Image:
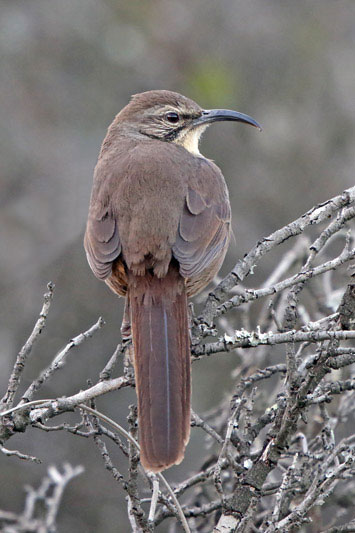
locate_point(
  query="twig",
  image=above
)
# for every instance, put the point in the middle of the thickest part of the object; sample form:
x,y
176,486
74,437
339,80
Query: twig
x,y
60,360
107,371
20,455
243,267
197,421
131,516
194,512
25,351
42,504
60,481
323,393
135,443
104,452
301,277
280,494
201,477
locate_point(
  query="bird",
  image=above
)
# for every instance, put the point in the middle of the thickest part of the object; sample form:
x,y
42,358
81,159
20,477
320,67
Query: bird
x,y
158,229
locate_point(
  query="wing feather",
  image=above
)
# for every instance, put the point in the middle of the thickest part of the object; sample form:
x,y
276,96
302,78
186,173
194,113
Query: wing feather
x,y
102,243
203,233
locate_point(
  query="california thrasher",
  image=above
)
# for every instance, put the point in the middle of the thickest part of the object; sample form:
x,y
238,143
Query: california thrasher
x,y
157,233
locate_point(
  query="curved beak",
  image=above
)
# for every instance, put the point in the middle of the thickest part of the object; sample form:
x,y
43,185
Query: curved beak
x,y
215,115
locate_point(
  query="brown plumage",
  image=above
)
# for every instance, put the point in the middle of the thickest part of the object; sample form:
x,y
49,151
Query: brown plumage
x,y
157,232
162,369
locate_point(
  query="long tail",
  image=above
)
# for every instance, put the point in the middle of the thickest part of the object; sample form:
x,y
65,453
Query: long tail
x,y
162,367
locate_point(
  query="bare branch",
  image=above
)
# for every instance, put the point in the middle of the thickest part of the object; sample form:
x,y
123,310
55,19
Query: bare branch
x,y
315,215
42,504
20,455
197,421
25,351
60,360
276,458
246,339
301,277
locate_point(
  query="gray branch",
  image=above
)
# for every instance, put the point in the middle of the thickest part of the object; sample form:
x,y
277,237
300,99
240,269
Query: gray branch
x,y
271,436
42,504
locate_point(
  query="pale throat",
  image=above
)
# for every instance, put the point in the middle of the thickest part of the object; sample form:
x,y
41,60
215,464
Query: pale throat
x,y
190,140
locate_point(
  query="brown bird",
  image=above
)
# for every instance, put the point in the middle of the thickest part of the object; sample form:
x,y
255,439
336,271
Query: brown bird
x,y
157,233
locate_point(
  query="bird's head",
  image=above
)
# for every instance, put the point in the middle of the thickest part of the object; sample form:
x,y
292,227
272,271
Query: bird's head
x,y
171,117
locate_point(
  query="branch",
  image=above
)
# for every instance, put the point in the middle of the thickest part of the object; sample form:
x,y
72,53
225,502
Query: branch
x,y
60,360
25,351
246,339
301,277
20,455
246,265
42,504
258,431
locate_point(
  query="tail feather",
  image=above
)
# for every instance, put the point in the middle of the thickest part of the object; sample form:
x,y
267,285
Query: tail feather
x,y
162,367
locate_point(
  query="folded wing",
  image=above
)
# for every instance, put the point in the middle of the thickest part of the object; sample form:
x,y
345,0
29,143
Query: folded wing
x,y
202,234
102,242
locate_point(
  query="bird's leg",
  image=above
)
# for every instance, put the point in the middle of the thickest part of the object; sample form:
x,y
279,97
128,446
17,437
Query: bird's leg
x,y
192,324
127,336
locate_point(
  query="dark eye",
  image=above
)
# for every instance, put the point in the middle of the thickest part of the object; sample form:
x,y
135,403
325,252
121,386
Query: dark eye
x,y
172,117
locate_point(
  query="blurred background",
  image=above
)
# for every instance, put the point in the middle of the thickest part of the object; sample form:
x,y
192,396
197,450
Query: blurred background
x,y
66,69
